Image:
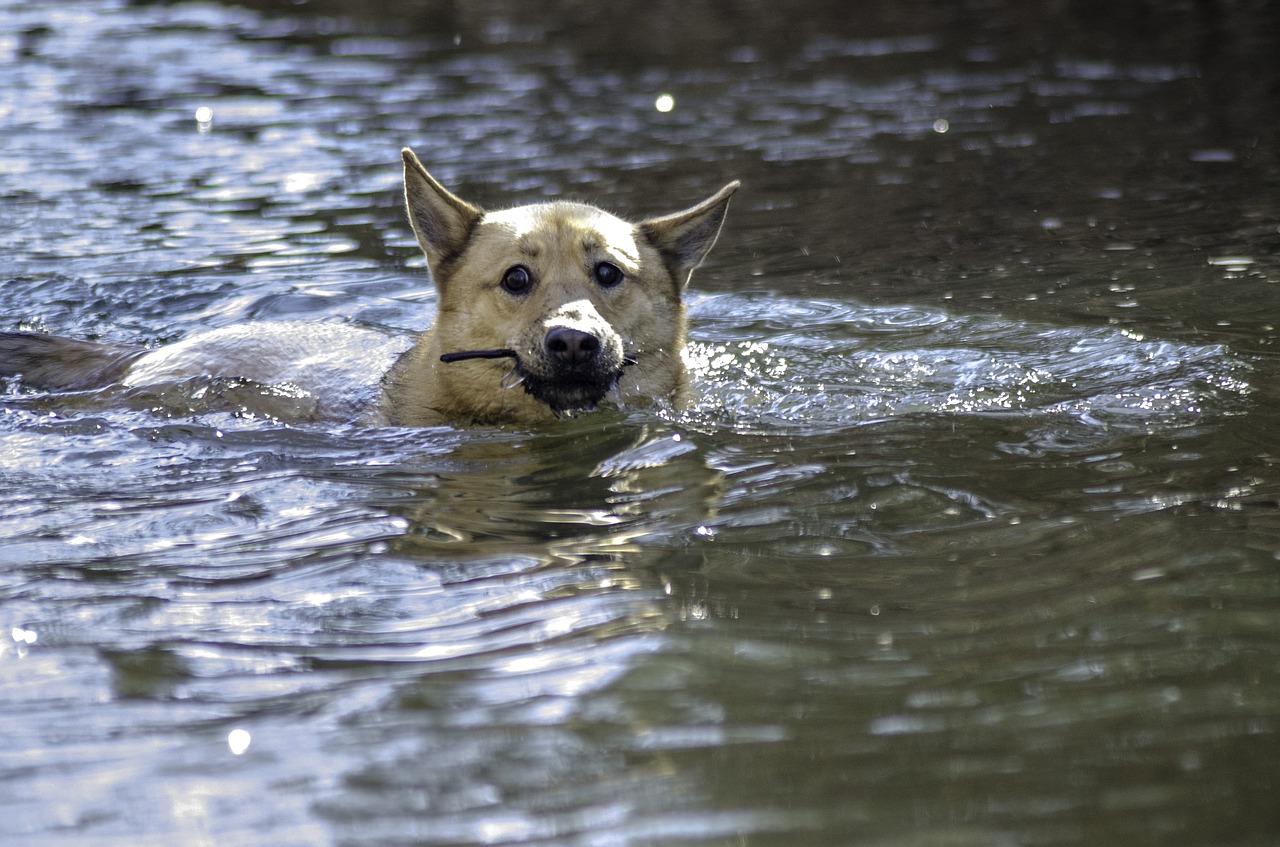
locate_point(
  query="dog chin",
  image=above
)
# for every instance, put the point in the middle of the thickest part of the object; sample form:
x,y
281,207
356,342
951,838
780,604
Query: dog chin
x,y
570,392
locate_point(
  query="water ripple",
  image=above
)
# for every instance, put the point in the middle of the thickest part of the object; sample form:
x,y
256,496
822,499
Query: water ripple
x,y
897,565
766,361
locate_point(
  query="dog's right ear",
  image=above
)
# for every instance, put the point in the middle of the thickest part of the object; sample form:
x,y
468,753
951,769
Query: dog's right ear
x,y
441,220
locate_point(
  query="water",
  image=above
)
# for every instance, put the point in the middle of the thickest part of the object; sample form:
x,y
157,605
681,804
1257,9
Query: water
x,y
970,538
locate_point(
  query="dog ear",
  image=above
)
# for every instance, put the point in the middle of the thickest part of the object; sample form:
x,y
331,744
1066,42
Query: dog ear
x,y
685,238
441,220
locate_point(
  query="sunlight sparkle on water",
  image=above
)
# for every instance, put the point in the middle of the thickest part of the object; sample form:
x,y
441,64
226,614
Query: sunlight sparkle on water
x,y
1233,265
512,829
300,181
238,740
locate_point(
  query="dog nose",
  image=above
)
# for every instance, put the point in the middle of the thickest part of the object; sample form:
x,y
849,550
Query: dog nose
x,y
571,346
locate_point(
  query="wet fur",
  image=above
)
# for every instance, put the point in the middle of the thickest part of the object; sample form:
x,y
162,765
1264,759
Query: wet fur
x,y
63,364
636,327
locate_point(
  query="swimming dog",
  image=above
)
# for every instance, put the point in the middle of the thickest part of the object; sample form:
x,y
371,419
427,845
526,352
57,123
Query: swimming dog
x,y
544,310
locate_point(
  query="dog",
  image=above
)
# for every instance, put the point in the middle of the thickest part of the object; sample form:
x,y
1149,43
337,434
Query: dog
x,y
544,311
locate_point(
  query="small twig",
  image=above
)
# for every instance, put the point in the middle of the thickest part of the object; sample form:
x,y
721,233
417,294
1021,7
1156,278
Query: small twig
x,y
461,355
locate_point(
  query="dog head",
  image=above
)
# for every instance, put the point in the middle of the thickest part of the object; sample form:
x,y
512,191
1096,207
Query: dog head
x,y
547,309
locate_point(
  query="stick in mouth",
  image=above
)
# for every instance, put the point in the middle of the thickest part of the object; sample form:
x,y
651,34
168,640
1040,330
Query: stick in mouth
x,y
502,353
462,355
564,392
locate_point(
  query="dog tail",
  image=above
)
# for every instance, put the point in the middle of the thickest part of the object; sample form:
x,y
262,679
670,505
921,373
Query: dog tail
x,y
54,363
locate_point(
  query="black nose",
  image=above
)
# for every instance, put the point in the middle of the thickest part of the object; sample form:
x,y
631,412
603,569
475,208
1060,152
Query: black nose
x,y
571,346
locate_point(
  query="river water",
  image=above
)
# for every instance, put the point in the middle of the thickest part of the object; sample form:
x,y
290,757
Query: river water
x,y
972,536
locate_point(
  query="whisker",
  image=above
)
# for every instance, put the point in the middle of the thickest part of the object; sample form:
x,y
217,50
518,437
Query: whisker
x,y
512,379
462,355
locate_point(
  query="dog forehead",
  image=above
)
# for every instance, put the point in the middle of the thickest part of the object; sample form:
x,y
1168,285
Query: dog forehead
x,y
564,227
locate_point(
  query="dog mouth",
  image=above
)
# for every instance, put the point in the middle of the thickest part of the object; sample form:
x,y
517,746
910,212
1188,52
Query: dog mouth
x,y
567,388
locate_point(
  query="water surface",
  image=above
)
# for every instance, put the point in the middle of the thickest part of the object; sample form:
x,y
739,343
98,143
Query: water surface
x,y
971,536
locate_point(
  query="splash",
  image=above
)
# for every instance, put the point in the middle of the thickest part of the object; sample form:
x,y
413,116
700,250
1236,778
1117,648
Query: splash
x,y
765,361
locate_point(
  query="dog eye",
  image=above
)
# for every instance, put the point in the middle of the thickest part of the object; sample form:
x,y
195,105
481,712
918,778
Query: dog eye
x,y
517,280
608,274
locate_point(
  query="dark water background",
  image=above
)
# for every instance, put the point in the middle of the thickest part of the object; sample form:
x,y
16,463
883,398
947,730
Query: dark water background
x,y
973,537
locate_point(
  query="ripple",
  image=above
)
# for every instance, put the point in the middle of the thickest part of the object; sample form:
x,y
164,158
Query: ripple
x,y
894,553
831,364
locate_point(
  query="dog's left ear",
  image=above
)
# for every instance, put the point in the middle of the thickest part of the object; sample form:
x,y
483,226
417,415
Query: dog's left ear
x,y
441,220
685,238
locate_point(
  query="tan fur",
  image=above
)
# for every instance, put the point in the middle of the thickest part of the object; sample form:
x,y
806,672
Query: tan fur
x,y
567,341
469,252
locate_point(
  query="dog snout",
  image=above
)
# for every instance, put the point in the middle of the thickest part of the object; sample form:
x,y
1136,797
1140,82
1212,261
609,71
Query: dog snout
x,y
570,346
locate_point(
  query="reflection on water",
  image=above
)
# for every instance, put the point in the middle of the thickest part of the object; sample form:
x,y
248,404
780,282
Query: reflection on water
x,y
969,538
